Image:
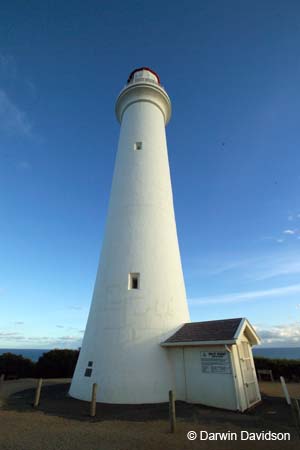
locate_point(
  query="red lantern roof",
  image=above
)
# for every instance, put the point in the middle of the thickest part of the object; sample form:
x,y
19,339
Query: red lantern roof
x,y
142,68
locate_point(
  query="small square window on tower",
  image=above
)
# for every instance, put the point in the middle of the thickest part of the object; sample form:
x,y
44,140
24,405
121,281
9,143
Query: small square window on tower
x,y
134,281
138,146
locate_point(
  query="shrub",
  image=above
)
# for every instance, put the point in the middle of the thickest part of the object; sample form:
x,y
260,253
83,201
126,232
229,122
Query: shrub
x,y
57,364
287,368
16,366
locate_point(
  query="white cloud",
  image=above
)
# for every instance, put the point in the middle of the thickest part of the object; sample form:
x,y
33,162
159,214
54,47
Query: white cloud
x,y
274,266
4,335
287,334
237,297
217,265
12,120
291,217
9,339
281,262
289,231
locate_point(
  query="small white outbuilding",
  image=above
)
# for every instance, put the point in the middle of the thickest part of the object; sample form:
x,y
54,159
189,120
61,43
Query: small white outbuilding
x,y
213,363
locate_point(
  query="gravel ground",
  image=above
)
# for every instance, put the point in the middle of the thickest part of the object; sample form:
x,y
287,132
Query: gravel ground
x,y
10,387
274,389
63,423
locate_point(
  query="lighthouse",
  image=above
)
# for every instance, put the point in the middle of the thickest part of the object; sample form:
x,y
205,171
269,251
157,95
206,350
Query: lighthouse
x,y
139,297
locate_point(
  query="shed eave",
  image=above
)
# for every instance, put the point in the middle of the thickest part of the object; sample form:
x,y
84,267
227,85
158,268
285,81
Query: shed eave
x,y
197,343
254,339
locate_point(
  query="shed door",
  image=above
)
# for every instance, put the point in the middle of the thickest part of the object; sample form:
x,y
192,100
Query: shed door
x,y
248,372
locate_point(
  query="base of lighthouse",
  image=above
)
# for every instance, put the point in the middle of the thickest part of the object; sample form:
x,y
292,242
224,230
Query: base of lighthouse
x,y
126,375
213,363
209,363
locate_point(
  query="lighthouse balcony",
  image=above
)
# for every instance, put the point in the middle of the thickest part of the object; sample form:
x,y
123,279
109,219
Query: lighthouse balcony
x,y
142,80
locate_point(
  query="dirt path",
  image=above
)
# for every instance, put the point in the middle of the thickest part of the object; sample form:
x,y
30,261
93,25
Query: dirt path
x,y
11,387
63,423
36,431
274,389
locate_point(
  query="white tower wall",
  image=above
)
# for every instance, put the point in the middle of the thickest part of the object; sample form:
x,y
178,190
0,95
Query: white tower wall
x,y
125,326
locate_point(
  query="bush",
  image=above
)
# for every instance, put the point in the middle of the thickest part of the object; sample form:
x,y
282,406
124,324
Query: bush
x,y
15,366
287,368
57,364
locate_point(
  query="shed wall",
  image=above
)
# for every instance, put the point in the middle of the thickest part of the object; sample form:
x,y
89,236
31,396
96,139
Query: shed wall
x,y
195,386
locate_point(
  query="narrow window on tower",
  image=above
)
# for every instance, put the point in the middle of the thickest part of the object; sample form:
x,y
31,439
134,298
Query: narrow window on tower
x,y
134,281
138,146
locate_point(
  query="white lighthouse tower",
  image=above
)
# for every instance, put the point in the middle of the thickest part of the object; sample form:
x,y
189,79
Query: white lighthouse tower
x,y
139,296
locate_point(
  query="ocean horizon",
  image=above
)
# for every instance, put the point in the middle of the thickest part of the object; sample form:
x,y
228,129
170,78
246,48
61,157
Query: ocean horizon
x,y
268,352
31,353
277,352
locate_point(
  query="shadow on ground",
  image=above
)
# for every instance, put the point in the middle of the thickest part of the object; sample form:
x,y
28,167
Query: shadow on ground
x,y
273,413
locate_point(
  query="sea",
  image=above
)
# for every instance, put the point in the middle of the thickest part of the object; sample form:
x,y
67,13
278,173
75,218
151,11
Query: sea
x,y
30,353
267,352
277,353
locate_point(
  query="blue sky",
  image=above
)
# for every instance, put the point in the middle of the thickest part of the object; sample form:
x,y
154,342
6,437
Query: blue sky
x,y
232,70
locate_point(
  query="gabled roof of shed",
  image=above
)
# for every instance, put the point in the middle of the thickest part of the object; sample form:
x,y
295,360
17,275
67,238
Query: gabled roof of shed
x,y
212,331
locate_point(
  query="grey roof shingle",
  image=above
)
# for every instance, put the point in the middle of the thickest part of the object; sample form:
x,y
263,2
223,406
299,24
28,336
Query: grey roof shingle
x,y
212,330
